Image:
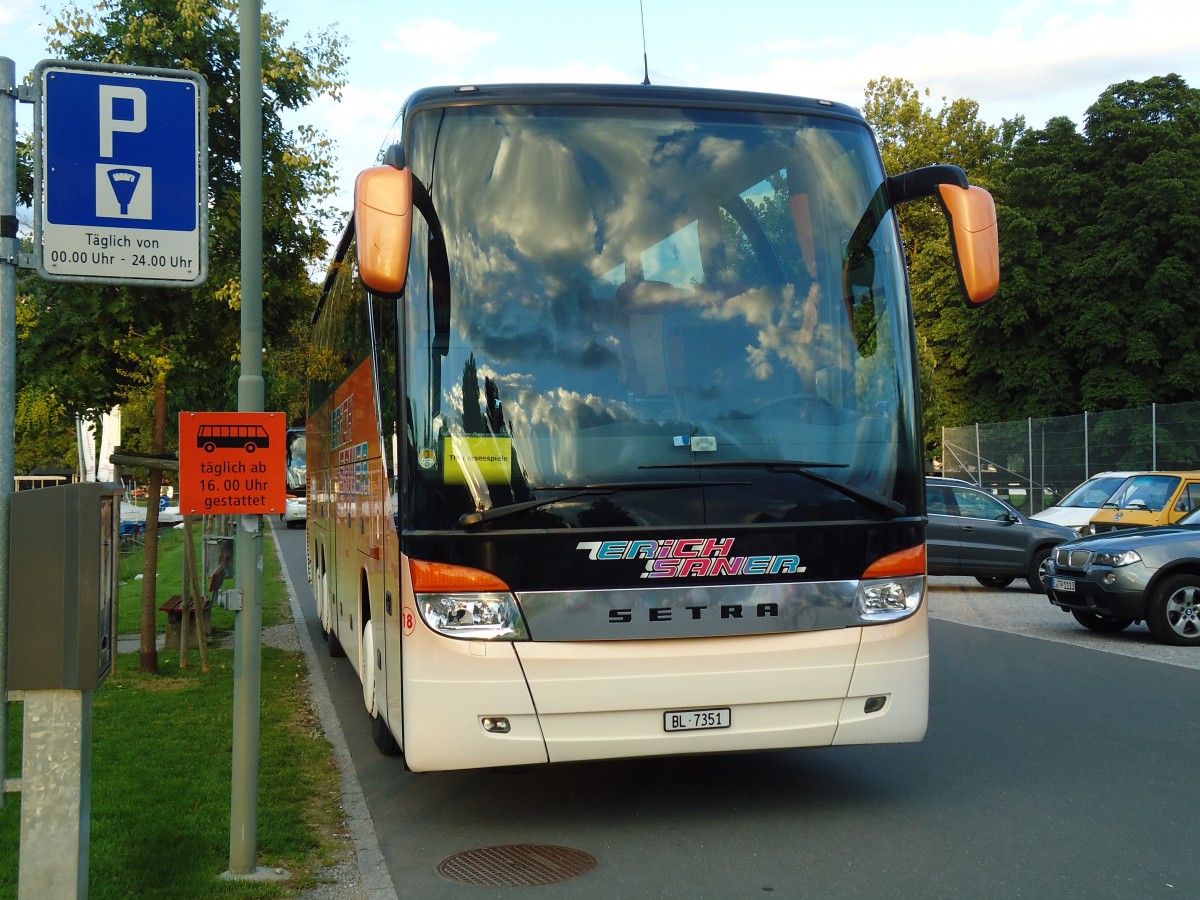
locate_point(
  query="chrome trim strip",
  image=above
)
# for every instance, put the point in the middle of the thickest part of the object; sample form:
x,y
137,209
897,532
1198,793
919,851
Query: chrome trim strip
x,y
685,612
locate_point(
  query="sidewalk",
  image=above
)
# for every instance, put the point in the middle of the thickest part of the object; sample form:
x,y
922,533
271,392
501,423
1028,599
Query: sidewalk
x,y
132,643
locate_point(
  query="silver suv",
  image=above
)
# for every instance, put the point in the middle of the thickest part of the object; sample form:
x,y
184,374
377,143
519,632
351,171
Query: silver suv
x,y
1109,581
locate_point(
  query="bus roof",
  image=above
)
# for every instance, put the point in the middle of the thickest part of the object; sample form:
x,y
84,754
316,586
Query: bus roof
x,y
621,95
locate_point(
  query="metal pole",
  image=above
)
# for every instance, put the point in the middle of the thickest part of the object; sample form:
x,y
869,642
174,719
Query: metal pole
x,y
1043,466
1030,507
1087,466
8,360
978,459
1153,437
247,659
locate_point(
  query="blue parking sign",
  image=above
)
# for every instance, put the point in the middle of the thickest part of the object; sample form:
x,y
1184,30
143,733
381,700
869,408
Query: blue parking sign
x,y
123,169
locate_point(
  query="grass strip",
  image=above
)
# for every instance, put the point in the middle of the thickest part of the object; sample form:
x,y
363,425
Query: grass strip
x,y
161,774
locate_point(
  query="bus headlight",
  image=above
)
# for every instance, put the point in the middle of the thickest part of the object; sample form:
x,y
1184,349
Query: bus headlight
x,y
888,599
475,616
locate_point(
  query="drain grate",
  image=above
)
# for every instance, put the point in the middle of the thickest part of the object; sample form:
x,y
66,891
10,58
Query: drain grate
x,y
516,865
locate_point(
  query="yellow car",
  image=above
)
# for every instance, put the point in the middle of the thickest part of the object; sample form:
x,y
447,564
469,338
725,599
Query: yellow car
x,y
1149,498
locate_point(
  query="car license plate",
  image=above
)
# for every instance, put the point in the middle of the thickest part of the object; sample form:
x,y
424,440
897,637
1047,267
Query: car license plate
x,y
696,719
1062,584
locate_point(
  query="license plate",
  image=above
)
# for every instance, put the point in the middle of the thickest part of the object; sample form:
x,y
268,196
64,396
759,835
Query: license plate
x,y
696,719
1062,584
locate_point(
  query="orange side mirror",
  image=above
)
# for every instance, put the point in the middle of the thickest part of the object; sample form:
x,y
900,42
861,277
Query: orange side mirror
x,y
975,238
383,227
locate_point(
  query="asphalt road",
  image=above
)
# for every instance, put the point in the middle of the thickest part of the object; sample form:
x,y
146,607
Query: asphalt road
x,y
1058,763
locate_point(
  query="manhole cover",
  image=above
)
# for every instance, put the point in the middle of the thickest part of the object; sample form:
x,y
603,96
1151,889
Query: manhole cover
x,y
516,865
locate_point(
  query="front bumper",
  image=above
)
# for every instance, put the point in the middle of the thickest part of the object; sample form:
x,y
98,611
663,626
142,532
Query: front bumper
x,y
1117,592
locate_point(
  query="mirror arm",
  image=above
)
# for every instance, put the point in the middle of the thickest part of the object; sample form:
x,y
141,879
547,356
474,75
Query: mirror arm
x,y
923,182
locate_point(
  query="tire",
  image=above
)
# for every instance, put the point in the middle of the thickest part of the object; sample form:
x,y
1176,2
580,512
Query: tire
x,y
996,582
1173,613
366,668
1037,570
381,734
1097,622
385,741
319,587
329,621
334,645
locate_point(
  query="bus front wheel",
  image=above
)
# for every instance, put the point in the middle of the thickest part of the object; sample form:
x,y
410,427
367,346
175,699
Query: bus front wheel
x,y
381,734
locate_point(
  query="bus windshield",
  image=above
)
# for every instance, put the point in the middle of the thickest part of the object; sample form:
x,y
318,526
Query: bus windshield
x,y
617,295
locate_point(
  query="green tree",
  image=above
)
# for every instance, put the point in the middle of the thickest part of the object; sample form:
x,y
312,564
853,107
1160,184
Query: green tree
x,y
1022,371
103,344
912,135
45,434
197,331
1135,330
1100,253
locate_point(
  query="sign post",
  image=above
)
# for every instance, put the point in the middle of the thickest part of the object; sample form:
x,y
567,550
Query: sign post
x,y
120,193
120,197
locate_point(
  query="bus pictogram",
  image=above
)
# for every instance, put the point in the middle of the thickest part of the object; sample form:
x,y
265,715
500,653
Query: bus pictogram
x,y
247,437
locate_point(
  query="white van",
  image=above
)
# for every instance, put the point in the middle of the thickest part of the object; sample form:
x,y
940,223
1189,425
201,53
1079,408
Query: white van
x,y
1077,508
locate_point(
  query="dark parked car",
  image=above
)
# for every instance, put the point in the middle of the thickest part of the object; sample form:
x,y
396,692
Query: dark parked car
x,y
972,532
1109,581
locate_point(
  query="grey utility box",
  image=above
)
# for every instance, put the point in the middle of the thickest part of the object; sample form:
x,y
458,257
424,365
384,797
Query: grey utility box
x,y
63,557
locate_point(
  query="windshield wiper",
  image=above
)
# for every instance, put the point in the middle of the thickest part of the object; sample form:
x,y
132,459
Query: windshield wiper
x,y
478,517
797,467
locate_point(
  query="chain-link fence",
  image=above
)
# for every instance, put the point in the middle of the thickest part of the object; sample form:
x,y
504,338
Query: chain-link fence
x,y
1036,461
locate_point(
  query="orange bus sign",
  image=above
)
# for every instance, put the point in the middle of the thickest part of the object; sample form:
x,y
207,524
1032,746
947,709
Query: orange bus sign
x,y
232,463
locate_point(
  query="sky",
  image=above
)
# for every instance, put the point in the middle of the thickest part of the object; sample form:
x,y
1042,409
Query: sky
x,y
1034,58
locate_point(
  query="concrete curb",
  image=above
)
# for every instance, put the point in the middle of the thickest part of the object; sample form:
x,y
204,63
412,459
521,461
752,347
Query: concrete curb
x,y
371,866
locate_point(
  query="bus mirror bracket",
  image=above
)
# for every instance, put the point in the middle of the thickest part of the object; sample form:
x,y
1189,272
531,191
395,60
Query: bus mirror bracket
x,y
923,182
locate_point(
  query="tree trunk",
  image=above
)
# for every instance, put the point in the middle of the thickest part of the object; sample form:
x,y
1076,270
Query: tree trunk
x,y
148,657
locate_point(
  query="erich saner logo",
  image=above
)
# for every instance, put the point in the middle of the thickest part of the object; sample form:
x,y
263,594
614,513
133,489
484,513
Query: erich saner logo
x,y
691,558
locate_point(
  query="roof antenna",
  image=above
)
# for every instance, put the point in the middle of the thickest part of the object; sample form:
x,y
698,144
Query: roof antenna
x,y
645,58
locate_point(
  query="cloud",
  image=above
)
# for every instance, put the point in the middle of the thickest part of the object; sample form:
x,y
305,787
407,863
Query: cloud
x,y
438,40
15,11
23,23
359,122
1035,61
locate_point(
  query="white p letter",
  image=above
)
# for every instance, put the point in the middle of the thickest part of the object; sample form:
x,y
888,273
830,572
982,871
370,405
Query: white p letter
x,y
109,125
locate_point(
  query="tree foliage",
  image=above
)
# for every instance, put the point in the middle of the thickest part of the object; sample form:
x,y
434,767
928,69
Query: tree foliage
x,y
1099,233
1107,255
100,345
911,136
